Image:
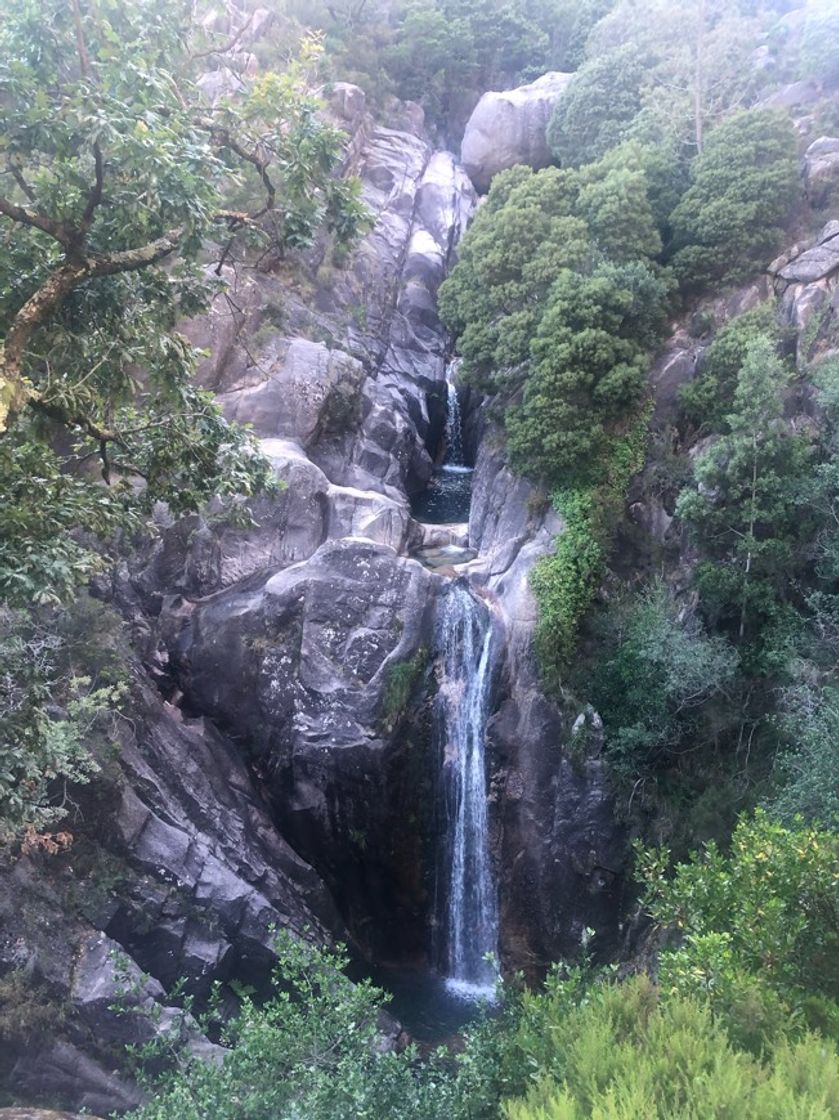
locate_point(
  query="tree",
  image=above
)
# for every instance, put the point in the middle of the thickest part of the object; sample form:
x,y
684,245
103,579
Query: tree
x,y
699,65
597,110
589,362
745,508
806,771
114,170
743,187
522,238
654,678
707,400
818,42
532,228
768,909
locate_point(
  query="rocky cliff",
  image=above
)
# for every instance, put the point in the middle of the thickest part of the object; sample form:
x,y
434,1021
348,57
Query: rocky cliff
x,y
277,764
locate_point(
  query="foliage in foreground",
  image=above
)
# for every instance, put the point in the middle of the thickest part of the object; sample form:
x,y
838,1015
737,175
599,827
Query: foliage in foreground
x,y
62,684
627,1054
706,1044
117,178
313,1050
760,925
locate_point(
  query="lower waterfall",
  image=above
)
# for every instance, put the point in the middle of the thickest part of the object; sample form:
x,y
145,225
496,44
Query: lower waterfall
x,y
470,904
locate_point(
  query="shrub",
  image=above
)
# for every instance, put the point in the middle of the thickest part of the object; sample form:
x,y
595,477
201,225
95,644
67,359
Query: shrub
x,y
653,679
402,679
566,581
744,184
707,399
313,1049
589,365
627,1054
596,111
767,910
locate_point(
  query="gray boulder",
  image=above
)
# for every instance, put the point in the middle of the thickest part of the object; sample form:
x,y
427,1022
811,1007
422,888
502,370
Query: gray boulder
x,y
303,666
817,263
299,390
821,170
510,127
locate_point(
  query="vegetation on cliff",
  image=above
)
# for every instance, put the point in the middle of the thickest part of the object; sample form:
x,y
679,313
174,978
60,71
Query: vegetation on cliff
x,y
126,192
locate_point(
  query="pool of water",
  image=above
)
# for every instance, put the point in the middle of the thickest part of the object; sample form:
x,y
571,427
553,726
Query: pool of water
x,y
429,1007
446,499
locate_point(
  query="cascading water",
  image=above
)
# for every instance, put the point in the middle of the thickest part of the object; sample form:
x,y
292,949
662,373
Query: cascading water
x,y
470,901
454,423
446,499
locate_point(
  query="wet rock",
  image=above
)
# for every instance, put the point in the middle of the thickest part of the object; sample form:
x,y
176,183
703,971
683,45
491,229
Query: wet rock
x,y
510,127
63,1071
446,556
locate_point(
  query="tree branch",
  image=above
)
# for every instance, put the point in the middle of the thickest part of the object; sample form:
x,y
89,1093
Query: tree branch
x,y
14,390
26,217
94,196
15,172
230,44
224,138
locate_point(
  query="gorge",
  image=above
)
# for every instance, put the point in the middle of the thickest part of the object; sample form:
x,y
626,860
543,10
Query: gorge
x,y
513,583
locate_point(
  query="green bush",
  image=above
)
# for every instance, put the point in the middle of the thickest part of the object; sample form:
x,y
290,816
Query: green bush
x,y
655,674
313,1050
566,581
765,915
625,1054
598,108
589,370
746,509
62,682
744,184
707,399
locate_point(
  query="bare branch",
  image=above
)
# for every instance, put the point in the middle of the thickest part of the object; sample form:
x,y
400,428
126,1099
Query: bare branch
x,y
230,44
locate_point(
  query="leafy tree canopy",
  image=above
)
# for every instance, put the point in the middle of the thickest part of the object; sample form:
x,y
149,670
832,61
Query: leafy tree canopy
x,y
746,508
744,183
113,176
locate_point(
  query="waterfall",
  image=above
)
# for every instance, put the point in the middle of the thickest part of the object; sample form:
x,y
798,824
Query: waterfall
x,y
454,421
471,905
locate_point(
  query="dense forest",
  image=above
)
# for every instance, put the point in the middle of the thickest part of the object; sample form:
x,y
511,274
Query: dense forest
x,y
254,751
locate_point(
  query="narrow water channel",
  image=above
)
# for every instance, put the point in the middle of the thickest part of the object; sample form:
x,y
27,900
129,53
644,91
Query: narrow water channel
x,y
446,499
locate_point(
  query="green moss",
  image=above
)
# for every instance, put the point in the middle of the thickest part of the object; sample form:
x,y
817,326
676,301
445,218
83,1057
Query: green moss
x,y
402,678
566,582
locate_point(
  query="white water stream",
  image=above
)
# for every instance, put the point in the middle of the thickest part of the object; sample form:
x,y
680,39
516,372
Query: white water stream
x,y
471,904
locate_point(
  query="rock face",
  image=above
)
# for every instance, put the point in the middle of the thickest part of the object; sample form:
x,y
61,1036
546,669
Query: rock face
x,y
821,170
290,781
304,665
807,280
180,874
559,854
510,127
